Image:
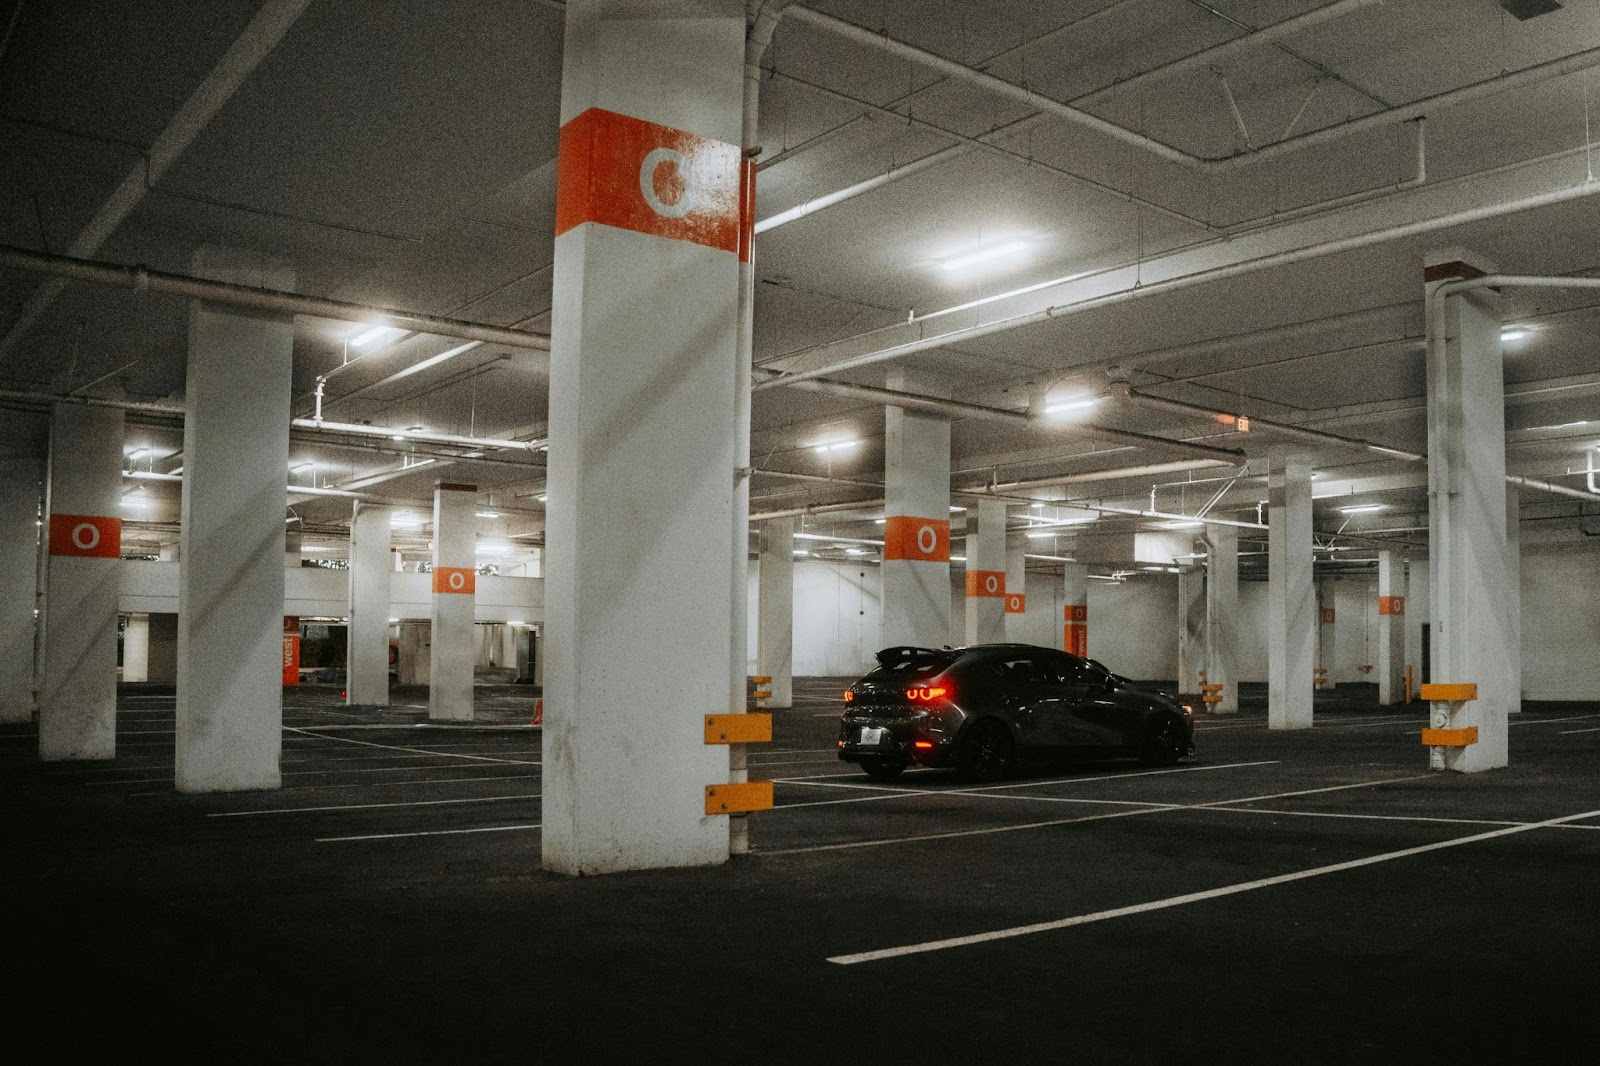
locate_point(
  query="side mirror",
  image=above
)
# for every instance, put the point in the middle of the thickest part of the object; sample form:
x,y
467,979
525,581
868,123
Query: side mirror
x,y
1106,681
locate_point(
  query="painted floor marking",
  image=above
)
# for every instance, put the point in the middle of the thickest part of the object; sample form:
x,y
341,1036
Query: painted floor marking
x,y
1569,732
423,751
1197,897
807,782
371,806
1052,823
385,784
428,833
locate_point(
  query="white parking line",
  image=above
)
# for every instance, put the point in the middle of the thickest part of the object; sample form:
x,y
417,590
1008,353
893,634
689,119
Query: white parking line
x,y
423,751
371,806
1569,732
808,782
1196,897
428,833
385,784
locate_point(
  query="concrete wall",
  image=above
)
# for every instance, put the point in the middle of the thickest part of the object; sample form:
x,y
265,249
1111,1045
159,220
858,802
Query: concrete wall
x,y
1560,621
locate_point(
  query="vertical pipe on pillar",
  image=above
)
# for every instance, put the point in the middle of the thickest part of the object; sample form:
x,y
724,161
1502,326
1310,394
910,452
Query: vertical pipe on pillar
x,y
21,507
986,573
367,637
454,652
916,537
1292,635
230,586
1472,599
136,648
642,517
1391,628
1222,615
78,686
1328,631
1075,612
775,622
1017,631
1513,584
1191,626
1416,614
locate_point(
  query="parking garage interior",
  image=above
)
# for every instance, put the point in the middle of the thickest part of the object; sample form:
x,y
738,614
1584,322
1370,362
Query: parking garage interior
x,y
454,458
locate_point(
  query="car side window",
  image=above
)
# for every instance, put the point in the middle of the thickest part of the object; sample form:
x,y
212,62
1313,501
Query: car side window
x,y
1061,669
1018,668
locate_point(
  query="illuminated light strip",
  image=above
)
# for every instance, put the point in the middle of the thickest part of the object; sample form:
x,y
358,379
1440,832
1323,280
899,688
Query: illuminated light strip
x,y
1198,897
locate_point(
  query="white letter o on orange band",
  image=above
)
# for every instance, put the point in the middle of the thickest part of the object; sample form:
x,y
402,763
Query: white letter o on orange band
x,y
927,540
78,540
991,584
457,581
654,160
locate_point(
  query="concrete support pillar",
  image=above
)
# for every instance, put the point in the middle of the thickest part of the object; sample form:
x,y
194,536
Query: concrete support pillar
x,y
1391,651
1075,622
1017,631
1291,611
78,687
916,550
415,653
367,638
643,401
136,648
164,648
454,652
293,544
1416,615
1191,626
986,573
1513,584
1222,615
21,505
230,586
1473,601
775,624
1327,631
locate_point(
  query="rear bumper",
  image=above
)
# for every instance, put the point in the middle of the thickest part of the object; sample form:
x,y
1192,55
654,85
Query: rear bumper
x,y
919,741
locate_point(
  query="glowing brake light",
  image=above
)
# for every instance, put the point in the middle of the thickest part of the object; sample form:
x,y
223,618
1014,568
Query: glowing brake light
x,y
927,695
922,744
849,696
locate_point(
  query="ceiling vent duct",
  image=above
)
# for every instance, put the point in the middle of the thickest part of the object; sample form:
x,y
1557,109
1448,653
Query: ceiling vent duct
x,y
1527,9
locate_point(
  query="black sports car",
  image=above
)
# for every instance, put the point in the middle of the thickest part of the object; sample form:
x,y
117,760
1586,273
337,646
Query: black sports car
x,y
985,708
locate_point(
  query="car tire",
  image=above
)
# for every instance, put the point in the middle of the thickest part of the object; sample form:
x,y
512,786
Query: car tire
x,y
882,769
1163,743
987,754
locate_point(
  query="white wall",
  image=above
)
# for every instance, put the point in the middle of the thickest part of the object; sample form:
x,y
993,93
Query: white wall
x,y
1561,621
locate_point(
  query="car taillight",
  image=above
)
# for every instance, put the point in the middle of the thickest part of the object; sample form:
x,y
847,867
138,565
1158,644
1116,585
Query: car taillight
x,y
922,744
849,696
930,694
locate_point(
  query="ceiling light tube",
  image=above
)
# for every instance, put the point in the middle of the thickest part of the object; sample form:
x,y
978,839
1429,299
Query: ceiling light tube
x,y
1364,508
984,255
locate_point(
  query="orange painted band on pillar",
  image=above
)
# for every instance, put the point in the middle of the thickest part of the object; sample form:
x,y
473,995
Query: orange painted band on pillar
x,y
1077,612
635,175
1391,605
1075,639
87,536
455,579
986,584
1016,603
291,658
916,539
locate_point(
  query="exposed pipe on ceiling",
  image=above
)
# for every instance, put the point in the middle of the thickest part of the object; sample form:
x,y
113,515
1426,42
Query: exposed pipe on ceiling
x,y
1152,470
140,279
272,20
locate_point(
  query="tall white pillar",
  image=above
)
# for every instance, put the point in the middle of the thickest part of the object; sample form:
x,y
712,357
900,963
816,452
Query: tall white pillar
x,y
136,648
78,686
1473,601
643,387
21,505
367,637
1017,631
986,572
1075,613
1222,615
1327,630
1292,603
230,586
1391,650
1191,626
916,531
455,569
775,621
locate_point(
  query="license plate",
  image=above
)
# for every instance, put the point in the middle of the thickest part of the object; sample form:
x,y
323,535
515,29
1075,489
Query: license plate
x,y
871,735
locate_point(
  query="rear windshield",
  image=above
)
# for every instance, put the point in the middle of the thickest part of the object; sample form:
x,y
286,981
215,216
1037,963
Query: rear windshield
x,y
923,663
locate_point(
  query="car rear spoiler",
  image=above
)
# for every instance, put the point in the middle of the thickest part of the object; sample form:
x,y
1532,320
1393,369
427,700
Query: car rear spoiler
x,y
908,651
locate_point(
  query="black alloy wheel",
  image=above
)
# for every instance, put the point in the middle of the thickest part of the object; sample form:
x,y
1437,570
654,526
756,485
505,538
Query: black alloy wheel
x,y
881,768
1164,744
987,754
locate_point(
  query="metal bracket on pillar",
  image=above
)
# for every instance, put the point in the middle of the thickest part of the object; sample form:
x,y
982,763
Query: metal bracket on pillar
x,y
742,796
757,692
1446,701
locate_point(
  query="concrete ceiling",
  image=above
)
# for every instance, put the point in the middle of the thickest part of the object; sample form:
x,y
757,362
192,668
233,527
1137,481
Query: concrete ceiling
x,y
402,154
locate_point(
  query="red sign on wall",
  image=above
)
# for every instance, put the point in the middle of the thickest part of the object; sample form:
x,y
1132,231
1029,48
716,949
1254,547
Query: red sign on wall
x,y
1077,612
291,658
986,583
922,539
1391,605
86,535
456,579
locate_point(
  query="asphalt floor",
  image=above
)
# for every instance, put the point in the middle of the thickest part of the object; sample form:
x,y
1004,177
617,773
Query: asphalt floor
x,y
1284,897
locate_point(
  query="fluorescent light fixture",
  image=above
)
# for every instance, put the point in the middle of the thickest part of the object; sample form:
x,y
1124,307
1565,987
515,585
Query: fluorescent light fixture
x,y
367,336
1515,333
855,551
1181,525
1069,405
958,558
956,510
405,521
1040,535
542,497
315,548
515,622
487,514
393,621
1364,508
985,255
300,468
834,446
138,453
801,551
880,521
398,436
